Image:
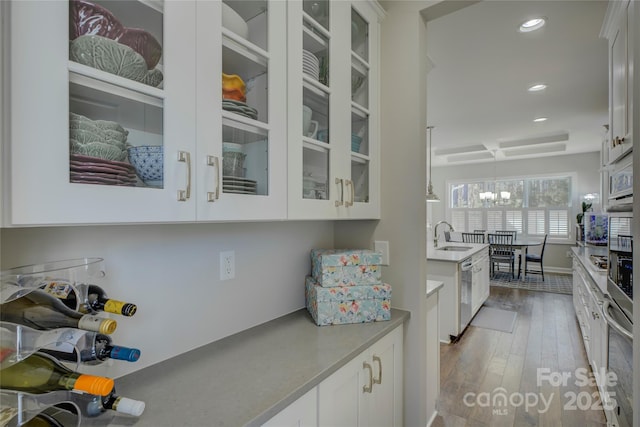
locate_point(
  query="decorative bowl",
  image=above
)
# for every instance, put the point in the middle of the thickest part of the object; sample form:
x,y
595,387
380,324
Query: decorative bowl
x,y
112,57
148,160
86,18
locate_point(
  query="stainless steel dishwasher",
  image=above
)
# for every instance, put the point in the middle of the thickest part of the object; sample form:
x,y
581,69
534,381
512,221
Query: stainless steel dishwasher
x,y
466,281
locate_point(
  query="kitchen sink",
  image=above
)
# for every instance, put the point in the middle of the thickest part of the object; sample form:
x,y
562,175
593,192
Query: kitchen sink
x,y
455,248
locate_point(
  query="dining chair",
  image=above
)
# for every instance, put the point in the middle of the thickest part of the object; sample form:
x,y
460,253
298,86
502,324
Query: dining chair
x,y
480,231
501,252
512,232
533,258
473,237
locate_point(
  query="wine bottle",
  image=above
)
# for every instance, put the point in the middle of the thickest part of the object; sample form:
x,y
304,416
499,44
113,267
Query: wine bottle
x,y
40,373
96,299
96,405
94,348
39,310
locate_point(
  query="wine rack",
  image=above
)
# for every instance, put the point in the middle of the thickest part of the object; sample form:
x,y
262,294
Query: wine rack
x,y
19,341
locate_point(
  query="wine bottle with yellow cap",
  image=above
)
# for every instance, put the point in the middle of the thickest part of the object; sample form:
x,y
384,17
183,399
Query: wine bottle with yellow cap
x,y
40,373
40,310
96,299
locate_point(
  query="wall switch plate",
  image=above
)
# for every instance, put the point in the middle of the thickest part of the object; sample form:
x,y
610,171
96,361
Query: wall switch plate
x,y
382,247
227,265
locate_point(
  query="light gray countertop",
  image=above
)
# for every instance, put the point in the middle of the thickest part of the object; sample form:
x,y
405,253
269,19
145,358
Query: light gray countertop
x,y
599,276
247,378
437,254
433,286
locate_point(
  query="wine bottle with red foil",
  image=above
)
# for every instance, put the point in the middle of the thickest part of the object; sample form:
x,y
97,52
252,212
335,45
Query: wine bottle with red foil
x,y
90,348
96,299
40,373
40,310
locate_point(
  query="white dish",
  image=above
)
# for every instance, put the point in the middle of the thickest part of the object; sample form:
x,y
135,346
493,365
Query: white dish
x,y
238,191
234,22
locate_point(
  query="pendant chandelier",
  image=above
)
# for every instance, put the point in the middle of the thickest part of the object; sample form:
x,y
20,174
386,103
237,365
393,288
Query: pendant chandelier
x,y
492,196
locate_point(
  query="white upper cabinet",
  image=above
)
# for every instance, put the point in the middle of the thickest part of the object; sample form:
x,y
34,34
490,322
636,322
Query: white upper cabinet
x,y
139,111
334,162
618,28
129,124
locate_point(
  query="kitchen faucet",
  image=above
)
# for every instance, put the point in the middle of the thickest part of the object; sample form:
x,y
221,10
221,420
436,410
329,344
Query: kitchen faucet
x,y
435,232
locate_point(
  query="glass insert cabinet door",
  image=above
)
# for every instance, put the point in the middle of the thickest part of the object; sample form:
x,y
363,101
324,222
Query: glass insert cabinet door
x,y
116,97
316,136
360,76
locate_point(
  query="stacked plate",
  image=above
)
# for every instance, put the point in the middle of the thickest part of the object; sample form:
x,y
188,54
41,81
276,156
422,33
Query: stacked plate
x,y
94,170
236,185
239,107
310,64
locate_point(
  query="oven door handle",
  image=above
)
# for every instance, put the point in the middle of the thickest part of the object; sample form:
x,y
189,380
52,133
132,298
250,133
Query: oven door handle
x,y
615,325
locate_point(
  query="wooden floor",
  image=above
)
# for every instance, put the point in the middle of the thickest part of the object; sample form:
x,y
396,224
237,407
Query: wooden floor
x,y
486,364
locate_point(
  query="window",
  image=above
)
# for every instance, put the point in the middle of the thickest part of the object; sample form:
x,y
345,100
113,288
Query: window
x,y
529,205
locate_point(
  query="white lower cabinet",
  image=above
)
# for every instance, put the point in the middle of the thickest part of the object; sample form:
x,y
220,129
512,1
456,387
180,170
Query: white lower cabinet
x,y
301,413
587,301
368,390
479,280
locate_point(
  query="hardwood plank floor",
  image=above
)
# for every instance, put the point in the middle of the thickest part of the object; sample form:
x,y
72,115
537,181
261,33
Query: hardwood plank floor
x,y
493,378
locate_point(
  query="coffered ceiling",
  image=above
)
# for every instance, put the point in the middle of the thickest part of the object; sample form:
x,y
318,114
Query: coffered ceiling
x,y
477,96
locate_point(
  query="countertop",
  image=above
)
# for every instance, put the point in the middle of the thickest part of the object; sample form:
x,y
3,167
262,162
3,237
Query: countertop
x,y
433,286
247,378
599,276
435,254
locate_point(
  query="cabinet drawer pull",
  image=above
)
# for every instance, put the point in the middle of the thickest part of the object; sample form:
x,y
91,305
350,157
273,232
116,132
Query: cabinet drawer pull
x,y
379,379
185,157
214,161
349,183
367,389
341,201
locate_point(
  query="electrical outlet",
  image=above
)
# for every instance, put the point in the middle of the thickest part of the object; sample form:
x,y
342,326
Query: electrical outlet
x,y
227,265
382,246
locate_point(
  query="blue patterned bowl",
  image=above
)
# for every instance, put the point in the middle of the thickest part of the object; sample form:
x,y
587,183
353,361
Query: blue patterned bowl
x,y
148,160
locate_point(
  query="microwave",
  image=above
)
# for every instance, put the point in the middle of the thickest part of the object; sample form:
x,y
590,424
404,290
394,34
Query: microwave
x,y
621,185
620,268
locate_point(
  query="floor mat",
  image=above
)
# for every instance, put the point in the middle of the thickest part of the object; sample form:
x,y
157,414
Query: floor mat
x,y
495,318
556,283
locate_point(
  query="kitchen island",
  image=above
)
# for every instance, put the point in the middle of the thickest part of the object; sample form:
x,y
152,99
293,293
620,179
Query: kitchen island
x,y
247,378
464,270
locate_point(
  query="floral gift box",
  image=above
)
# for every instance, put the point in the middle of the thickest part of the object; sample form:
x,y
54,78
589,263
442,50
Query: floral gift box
x,y
346,267
347,304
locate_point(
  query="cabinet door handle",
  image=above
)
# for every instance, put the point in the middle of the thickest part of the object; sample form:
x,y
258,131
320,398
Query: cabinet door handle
x,y
214,161
379,379
367,389
341,182
185,157
349,183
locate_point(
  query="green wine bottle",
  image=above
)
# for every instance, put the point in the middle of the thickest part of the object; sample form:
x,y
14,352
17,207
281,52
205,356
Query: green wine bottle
x,y
39,310
40,373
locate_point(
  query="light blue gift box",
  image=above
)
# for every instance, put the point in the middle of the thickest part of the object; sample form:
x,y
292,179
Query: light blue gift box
x,y
346,267
347,304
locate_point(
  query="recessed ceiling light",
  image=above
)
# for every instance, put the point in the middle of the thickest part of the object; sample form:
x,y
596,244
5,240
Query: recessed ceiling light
x,y
537,87
532,24
541,119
